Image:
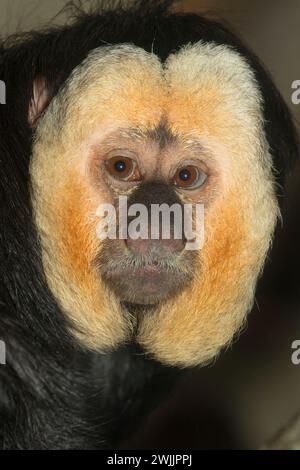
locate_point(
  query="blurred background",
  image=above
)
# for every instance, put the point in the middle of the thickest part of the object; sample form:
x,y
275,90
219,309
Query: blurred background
x,y
253,389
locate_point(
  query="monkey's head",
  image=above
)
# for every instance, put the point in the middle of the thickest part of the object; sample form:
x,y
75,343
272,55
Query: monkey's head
x,y
195,123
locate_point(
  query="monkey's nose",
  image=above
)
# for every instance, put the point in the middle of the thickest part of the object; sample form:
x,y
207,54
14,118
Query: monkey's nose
x,y
160,247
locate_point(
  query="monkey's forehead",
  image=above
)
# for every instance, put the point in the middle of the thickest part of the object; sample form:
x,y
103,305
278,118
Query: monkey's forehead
x,y
204,87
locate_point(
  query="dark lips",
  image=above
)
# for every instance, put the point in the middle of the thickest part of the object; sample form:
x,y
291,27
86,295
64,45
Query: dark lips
x,y
143,280
145,285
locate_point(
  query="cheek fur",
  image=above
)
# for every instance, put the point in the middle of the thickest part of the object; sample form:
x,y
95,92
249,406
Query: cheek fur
x,y
67,229
75,232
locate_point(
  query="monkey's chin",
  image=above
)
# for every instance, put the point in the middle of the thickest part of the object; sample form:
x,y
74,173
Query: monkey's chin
x,y
146,286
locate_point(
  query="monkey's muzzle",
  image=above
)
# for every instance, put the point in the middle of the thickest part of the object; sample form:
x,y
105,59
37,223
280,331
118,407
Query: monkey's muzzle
x,y
151,268
146,271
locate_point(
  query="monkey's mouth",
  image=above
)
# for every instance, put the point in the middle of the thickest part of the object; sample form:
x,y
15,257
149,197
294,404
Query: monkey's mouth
x,y
144,280
146,285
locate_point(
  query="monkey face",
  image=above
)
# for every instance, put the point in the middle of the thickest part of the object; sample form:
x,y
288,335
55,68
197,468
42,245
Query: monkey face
x,y
189,131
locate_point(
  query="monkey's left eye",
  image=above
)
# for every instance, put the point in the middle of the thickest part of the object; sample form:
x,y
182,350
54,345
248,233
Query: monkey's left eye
x,y
123,168
189,177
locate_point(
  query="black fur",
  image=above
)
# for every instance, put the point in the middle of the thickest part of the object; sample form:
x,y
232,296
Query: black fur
x,y
53,394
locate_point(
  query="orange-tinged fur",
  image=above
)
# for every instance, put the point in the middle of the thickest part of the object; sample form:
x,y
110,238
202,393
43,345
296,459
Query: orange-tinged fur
x,y
77,237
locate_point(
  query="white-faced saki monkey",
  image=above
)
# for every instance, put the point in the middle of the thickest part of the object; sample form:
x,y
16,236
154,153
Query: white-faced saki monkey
x,y
153,107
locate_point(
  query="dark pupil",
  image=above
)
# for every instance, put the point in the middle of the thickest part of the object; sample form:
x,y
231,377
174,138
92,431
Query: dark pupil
x,y
184,174
120,166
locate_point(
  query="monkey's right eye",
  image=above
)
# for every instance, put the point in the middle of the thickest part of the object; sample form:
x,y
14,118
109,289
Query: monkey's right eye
x,y
123,168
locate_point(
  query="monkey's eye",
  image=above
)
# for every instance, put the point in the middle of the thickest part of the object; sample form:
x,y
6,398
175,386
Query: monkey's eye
x,y
189,177
123,168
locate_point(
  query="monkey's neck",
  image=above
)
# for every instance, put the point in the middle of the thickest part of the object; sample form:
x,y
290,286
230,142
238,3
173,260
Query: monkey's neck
x,y
133,386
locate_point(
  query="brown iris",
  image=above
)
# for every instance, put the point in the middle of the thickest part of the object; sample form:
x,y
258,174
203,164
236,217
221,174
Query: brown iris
x,y
123,168
189,177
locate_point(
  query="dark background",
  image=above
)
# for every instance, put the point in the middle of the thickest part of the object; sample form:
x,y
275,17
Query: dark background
x,y
253,389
